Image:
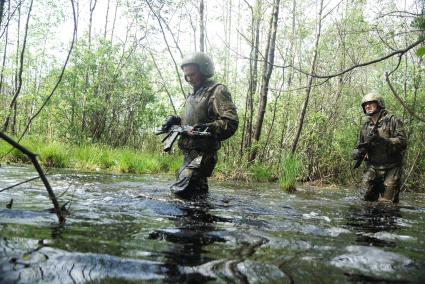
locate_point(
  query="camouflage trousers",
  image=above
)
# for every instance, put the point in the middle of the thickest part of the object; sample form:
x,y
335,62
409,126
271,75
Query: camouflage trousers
x,y
192,176
382,185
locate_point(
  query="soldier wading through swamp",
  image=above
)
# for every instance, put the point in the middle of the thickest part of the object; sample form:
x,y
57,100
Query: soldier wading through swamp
x,y
381,144
209,117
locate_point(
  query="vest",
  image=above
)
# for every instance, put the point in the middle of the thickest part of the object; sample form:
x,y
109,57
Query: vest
x,y
197,110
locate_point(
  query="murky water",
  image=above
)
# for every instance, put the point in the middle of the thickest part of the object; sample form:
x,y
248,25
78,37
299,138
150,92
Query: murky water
x,y
128,229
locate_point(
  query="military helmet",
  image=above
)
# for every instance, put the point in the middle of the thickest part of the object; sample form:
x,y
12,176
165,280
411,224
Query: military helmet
x,y
373,97
202,60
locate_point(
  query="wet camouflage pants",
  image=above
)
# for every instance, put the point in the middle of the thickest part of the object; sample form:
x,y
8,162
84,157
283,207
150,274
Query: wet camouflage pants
x,y
192,175
382,185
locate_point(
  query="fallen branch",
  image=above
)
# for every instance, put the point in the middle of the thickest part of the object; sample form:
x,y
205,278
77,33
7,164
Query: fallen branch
x,y
33,158
15,185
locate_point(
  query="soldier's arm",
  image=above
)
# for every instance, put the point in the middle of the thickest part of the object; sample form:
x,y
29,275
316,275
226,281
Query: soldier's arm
x,y
224,109
398,139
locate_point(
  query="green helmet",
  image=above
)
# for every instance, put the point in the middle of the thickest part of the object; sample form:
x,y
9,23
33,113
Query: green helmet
x,y
373,97
202,60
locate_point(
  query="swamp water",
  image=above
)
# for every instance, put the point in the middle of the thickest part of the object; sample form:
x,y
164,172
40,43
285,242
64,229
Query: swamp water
x,y
129,229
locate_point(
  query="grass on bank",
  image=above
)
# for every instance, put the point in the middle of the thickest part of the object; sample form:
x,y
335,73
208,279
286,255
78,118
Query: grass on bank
x,y
89,157
93,158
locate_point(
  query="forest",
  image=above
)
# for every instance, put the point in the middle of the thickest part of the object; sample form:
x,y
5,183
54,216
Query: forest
x,y
85,83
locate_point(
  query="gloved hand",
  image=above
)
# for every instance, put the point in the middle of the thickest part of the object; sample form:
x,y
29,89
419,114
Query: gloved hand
x,y
170,121
372,137
358,154
201,127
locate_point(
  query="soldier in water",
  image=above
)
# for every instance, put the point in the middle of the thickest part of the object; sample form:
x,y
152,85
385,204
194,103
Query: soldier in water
x,y
381,144
208,108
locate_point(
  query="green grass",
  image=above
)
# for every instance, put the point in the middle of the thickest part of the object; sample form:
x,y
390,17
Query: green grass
x,y
290,167
54,155
261,173
93,157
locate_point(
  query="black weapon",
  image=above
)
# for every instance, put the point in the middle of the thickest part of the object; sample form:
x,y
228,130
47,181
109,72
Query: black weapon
x,y
364,147
171,134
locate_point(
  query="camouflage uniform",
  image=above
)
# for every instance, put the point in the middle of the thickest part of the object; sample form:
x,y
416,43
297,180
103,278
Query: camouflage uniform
x,y
211,105
384,158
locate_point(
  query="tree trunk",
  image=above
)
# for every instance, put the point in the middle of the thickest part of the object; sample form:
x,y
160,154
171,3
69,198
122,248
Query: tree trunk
x,y
12,105
289,76
106,20
86,76
246,136
309,84
270,131
201,27
1,10
267,72
114,21
3,65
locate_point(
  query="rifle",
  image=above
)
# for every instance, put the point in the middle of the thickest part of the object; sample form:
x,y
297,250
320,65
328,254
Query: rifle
x,y
364,147
171,134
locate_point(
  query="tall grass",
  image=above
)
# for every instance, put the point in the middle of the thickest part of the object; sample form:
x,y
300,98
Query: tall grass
x,y
260,173
92,157
290,167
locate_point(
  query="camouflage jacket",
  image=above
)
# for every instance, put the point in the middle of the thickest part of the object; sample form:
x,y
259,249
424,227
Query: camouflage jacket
x,y
211,105
388,150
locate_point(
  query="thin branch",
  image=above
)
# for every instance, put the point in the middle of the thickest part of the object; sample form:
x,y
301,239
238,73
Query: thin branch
x,y
397,52
15,185
10,17
163,82
168,47
401,14
410,111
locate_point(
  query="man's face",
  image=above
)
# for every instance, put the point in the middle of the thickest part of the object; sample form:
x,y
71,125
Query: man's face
x,y
370,107
192,75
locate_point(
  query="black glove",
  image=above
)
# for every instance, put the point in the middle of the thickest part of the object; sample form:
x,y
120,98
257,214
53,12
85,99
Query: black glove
x,y
170,121
358,154
372,137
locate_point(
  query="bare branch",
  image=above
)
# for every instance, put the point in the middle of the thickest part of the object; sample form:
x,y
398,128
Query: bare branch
x,y
410,111
19,183
397,52
168,47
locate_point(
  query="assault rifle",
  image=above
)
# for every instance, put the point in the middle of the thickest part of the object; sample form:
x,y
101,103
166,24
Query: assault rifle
x,y
364,147
172,132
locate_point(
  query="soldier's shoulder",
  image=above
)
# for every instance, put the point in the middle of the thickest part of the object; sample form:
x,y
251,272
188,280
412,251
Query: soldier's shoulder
x,y
217,87
393,117
365,119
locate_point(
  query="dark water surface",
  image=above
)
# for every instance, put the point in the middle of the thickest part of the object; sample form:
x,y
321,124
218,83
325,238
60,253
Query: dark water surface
x,y
128,229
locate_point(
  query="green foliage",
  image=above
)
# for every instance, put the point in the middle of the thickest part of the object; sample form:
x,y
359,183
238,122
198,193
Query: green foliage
x,y
290,168
54,155
260,173
420,51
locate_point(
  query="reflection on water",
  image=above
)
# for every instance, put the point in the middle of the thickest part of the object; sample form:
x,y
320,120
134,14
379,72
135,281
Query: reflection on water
x,y
371,219
129,229
188,236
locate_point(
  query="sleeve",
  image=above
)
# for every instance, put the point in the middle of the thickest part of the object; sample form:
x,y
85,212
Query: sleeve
x,y
398,138
226,122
